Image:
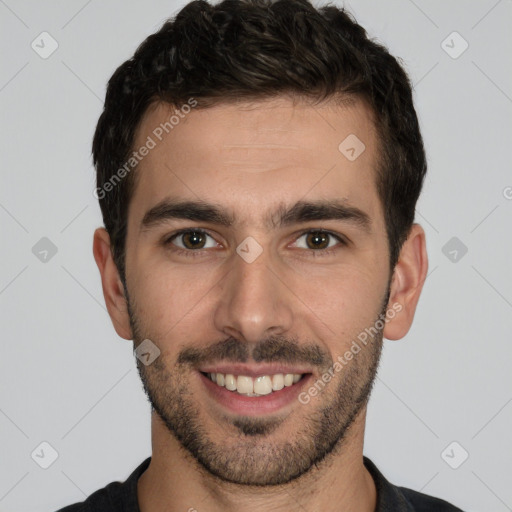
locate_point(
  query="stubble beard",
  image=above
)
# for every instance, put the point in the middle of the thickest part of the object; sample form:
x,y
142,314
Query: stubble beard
x,y
250,456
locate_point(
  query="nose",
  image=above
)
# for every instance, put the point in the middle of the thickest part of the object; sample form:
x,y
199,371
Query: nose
x,y
255,301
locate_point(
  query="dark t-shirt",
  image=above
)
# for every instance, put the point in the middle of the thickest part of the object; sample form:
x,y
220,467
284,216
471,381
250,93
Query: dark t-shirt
x,y
122,497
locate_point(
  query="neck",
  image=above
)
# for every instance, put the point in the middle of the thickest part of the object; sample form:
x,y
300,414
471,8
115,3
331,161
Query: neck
x,y
174,481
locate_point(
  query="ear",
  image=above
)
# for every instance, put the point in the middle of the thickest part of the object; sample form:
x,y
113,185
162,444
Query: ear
x,y
408,278
113,289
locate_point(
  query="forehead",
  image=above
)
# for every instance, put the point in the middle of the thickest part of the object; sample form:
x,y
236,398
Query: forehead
x,y
255,156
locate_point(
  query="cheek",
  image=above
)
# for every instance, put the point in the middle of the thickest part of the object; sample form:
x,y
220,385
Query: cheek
x,y
174,300
342,302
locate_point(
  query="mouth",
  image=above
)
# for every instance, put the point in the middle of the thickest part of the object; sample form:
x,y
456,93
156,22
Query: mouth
x,y
254,393
259,386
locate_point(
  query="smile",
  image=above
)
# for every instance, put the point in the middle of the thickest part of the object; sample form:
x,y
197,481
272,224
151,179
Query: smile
x,y
254,386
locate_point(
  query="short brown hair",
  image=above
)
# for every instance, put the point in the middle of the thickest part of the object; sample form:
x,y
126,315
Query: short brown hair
x,y
259,49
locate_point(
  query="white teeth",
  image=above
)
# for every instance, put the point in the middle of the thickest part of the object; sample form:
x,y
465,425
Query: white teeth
x,y
263,385
259,386
230,382
277,381
244,384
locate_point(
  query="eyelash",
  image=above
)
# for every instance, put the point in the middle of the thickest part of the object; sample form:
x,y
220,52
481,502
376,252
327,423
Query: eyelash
x,y
200,252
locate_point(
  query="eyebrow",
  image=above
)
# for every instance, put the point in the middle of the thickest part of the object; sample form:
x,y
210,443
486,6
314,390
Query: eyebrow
x,y
302,211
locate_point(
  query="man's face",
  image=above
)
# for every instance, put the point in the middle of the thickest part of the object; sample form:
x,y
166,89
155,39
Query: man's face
x,y
263,295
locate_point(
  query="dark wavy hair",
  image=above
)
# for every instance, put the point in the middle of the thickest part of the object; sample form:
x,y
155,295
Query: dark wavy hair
x,y
256,50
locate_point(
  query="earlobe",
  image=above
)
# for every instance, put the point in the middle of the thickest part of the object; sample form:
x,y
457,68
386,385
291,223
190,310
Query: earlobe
x,y
113,290
407,283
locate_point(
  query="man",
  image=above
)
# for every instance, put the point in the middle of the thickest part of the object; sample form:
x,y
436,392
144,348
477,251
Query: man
x,y
258,168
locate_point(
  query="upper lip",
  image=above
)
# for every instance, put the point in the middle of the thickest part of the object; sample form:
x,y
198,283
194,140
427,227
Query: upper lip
x,y
252,370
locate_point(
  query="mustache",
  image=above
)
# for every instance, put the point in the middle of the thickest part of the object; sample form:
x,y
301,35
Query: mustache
x,y
272,349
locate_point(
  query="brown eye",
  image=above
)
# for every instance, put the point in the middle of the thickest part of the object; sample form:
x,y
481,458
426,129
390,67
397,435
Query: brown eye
x,y
317,240
192,239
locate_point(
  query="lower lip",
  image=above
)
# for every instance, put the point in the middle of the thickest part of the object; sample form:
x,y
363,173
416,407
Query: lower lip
x,y
254,405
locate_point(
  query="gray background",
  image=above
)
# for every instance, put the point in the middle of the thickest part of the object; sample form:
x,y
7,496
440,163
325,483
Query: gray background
x,y
68,380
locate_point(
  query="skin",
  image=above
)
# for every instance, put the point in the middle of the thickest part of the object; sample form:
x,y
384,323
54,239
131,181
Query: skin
x,y
249,158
